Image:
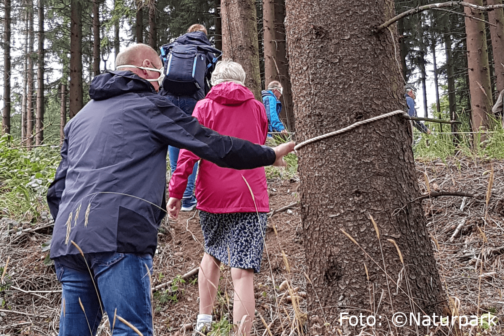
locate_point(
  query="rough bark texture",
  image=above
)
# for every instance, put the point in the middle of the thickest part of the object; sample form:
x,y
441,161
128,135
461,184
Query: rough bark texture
x,y
7,68
75,58
343,74
287,114
421,65
479,71
39,122
270,69
403,49
31,89
117,37
436,79
96,37
152,25
218,25
62,112
139,22
497,33
239,39
450,77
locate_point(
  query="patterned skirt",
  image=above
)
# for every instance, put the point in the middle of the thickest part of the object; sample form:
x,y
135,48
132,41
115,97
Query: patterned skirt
x,y
236,239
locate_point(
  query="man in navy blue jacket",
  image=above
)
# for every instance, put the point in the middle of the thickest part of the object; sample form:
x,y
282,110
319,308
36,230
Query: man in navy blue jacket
x,y
410,101
108,196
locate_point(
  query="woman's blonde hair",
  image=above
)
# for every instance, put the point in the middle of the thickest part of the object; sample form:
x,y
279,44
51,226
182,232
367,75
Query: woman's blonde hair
x,y
228,71
197,27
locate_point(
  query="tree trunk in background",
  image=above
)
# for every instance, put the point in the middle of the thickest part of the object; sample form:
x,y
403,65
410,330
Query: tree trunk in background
x,y
450,73
117,37
363,172
403,49
25,81
75,58
152,25
479,76
239,39
31,89
39,124
270,46
218,25
7,69
497,33
139,22
287,113
62,112
96,37
421,65
436,79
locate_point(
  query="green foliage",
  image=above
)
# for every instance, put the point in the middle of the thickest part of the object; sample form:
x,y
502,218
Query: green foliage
x,y
171,294
221,327
292,164
24,179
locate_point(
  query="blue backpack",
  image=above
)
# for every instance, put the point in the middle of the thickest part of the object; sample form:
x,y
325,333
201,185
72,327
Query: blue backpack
x,y
186,67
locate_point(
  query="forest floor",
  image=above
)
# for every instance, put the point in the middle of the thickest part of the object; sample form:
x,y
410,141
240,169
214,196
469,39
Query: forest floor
x,y
467,236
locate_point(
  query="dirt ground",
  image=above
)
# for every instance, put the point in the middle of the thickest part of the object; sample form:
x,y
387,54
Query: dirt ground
x,y
467,236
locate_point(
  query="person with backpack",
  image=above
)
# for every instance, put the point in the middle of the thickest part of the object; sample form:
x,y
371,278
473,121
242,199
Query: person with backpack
x,y
233,221
273,106
188,65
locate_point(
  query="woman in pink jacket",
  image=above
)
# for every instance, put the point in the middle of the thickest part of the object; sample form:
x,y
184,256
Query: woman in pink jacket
x,y
233,223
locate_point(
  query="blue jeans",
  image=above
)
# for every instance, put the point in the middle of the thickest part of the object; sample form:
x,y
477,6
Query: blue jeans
x,y
123,286
187,105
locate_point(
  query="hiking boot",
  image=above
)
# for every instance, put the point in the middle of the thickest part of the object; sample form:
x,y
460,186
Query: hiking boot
x,y
188,204
202,328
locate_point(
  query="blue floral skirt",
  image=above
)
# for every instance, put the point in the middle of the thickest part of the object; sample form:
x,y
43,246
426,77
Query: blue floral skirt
x,y
236,239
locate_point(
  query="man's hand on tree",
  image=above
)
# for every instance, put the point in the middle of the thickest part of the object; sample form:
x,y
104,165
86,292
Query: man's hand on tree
x,y
281,151
173,207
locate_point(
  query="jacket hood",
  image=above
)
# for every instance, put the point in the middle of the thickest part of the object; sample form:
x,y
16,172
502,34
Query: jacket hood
x,y
267,93
116,83
230,93
196,38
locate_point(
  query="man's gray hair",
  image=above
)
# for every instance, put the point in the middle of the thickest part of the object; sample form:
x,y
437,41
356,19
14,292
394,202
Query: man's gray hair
x,y
228,71
409,88
274,85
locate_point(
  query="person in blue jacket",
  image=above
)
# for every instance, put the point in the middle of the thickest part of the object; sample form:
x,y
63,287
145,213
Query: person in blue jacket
x,y
109,192
410,100
196,35
273,106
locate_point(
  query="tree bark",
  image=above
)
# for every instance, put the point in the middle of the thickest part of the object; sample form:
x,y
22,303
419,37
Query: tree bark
x,y
368,171
117,37
479,71
218,25
96,37
450,74
496,17
403,49
31,89
39,124
270,46
76,102
240,41
436,79
25,81
287,113
7,69
62,112
139,22
152,25
421,65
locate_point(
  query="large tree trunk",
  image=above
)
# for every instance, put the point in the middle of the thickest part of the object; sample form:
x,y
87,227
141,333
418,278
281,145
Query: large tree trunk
x,y
117,37
450,74
75,58
31,89
270,46
62,112
496,17
7,69
367,171
25,81
239,39
283,65
39,124
403,49
421,65
96,37
479,70
139,22
152,25
218,25
436,79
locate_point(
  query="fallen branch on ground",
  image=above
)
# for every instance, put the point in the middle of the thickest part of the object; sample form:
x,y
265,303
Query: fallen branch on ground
x,y
185,277
287,207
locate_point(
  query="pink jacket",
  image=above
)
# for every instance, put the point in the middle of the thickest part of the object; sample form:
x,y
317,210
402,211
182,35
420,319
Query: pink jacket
x,y
229,109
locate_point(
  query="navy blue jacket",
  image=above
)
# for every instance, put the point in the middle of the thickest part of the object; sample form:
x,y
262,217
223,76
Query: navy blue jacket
x,y
196,38
109,191
412,113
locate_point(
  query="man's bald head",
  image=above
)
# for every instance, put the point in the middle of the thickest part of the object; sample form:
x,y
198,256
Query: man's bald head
x,y
140,55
